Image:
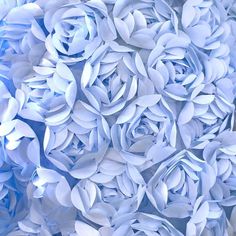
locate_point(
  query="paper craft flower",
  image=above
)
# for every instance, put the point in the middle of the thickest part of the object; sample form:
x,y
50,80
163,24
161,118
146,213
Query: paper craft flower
x,y
138,22
21,29
220,153
117,117
13,199
208,18
178,182
176,69
143,123
112,77
77,29
113,191
207,218
142,224
78,145
47,92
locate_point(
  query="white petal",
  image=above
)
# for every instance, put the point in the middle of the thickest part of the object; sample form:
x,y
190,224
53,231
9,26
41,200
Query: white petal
x,y
186,113
83,229
63,193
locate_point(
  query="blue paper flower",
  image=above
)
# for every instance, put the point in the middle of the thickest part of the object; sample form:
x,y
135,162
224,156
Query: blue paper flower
x,y
13,198
221,153
178,182
78,145
117,117
77,29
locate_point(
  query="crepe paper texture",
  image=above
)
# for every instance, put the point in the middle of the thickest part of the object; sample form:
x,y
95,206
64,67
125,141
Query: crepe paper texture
x,y
117,117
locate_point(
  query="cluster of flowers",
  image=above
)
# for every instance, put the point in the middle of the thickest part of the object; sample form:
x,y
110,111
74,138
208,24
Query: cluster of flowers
x,y
117,117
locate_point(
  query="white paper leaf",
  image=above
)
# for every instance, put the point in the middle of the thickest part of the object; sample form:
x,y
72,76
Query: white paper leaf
x,y
48,175
86,75
140,65
204,99
85,167
33,152
148,100
186,113
82,229
127,114
122,29
187,15
63,193
201,213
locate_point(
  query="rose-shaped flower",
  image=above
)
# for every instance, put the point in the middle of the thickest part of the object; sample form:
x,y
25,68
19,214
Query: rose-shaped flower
x,y
138,22
86,197
147,120
112,77
199,105
9,105
206,113
221,155
114,190
108,197
21,146
47,92
21,29
13,200
78,145
207,219
178,182
77,29
204,22
121,185
141,224
49,196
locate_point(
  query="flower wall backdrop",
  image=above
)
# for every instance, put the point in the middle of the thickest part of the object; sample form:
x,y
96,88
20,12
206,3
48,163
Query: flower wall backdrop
x,y
117,117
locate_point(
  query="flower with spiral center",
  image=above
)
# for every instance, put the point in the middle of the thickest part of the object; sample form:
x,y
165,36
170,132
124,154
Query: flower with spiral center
x,y
21,29
78,145
178,182
204,22
144,122
142,224
47,92
105,203
192,86
220,153
114,190
138,22
13,199
77,29
112,77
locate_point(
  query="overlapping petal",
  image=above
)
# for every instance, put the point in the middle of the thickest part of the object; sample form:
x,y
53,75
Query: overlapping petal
x,y
220,153
139,22
117,117
47,92
77,29
143,123
78,145
141,224
112,77
13,198
178,182
208,218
